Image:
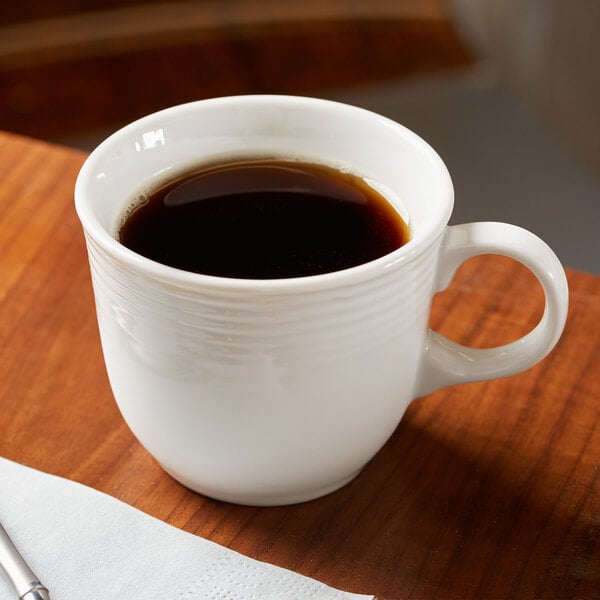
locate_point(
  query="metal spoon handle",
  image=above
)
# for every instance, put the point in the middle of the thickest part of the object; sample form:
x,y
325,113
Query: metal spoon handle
x,y
22,577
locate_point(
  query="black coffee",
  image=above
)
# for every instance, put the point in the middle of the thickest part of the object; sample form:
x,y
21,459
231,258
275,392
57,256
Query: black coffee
x,y
264,219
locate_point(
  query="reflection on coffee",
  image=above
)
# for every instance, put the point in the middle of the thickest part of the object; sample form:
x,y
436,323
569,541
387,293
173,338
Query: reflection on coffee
x,y
264,219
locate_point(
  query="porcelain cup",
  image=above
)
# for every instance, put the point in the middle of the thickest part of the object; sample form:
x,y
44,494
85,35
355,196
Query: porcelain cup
x,y
267,392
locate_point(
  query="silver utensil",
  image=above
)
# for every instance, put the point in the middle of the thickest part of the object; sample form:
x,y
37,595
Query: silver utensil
x,y
22,577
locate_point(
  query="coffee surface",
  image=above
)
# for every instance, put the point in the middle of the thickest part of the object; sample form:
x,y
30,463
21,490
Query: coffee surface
x,y
264,219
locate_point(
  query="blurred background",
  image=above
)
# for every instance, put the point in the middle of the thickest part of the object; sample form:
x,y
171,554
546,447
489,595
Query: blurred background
x,y
507,91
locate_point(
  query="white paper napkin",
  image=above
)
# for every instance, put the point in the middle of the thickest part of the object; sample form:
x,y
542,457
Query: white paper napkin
x,y
82,543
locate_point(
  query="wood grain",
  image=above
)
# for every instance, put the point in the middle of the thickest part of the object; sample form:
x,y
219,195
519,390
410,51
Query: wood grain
x,y
487,490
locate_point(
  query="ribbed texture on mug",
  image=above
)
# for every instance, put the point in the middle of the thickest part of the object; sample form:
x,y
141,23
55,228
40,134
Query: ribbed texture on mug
x,y
213,324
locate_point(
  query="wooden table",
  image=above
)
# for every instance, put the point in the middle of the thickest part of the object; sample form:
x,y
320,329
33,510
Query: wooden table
x,y
487,490
69,70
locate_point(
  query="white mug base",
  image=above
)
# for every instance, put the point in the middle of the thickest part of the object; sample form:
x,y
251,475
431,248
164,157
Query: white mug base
x,y
258,498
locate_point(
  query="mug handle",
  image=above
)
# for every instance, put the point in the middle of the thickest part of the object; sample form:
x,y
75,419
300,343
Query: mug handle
x,y
447,363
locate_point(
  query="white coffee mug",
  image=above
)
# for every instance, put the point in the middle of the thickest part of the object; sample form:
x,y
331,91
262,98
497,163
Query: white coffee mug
x,y
268,392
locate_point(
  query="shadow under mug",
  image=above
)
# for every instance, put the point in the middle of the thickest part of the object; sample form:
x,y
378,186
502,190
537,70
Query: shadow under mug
x,y
269,392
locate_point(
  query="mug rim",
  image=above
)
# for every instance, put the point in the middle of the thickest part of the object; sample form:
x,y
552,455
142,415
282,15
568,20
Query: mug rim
x,y
156,270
